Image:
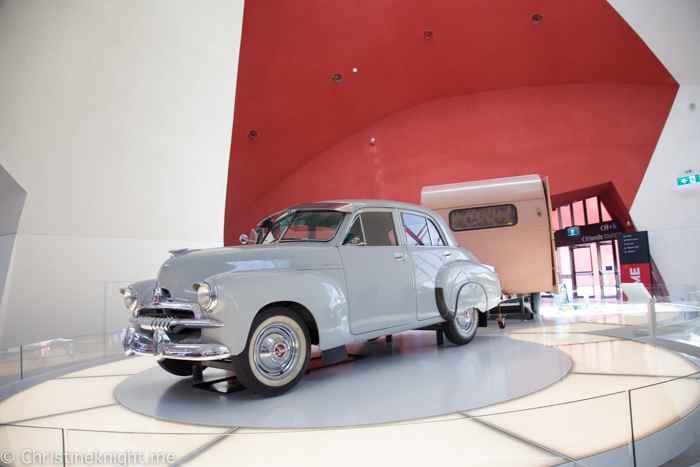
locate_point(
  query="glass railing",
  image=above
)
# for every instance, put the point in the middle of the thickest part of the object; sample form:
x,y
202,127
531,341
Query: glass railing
x,y
648,424
54,355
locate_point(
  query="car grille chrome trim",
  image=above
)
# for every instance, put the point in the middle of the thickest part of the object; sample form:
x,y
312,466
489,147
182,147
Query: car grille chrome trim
x,y
193,308
166,323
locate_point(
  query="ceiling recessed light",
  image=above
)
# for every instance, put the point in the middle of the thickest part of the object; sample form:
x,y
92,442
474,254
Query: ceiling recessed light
x,y
337,78
428,35
537,19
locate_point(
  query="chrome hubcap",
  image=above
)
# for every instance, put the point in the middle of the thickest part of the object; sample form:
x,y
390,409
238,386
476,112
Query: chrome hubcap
x,y
465,320
276,350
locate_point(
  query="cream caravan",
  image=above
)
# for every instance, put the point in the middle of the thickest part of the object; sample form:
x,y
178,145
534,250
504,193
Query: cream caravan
x,y
506,223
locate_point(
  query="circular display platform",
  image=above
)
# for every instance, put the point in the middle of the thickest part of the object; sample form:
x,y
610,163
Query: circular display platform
x,y
408,379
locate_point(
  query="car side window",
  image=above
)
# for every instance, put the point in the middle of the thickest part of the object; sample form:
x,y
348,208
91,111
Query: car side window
x,y
435,237
372,229
355,235
420,231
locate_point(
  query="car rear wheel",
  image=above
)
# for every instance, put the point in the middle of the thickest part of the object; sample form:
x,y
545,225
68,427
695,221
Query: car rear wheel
x,y
177,367
462,328
276,355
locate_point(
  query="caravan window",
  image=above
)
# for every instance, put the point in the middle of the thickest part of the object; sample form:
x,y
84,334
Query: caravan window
x,y
483,218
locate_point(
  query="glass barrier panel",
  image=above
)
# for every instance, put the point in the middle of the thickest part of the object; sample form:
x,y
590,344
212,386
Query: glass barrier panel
x,y
56,354
678,313
10,366
665,419
24,445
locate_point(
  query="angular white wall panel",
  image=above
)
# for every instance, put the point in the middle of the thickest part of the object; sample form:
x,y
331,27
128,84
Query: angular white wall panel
x,y
7,243
117,115
116,119
671,213
670,29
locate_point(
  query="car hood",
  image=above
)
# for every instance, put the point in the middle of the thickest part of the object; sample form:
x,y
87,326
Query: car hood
x,y
182,270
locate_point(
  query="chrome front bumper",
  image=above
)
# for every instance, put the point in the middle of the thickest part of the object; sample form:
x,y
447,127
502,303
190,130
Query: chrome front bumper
x,y
158,344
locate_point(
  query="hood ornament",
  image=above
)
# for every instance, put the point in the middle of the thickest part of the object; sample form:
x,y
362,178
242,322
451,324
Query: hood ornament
x,y
174,253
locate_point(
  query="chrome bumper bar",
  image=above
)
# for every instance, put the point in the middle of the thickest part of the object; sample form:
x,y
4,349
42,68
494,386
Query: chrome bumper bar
x,y
159,345
165,323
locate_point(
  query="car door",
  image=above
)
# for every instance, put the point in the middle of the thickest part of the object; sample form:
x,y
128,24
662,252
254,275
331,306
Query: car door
x,y
428,252
377,273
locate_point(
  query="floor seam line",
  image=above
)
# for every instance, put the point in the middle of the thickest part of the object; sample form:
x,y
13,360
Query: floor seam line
x,y
484,422
199,451
635,375
60,413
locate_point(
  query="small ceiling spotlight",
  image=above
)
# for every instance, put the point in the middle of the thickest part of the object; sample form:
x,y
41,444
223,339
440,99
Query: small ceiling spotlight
x,y
537,19
337,78
371,141
354,70
252,134
428,35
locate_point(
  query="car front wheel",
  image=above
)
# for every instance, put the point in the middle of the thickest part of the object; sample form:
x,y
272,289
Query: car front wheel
x,y
276,355
462,328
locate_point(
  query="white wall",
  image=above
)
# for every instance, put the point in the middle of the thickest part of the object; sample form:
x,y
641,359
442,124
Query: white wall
x,y
116,119
670,30
671,213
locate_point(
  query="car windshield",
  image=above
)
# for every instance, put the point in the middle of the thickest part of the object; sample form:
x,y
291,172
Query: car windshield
x,y
300,226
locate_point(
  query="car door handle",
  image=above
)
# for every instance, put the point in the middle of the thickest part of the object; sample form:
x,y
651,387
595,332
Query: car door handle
x,y
447,253
400,256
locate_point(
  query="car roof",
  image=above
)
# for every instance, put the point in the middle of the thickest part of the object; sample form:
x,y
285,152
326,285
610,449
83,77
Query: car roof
x,y
351,205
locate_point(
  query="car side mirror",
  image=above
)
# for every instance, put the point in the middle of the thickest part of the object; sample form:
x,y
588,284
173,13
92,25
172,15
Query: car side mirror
x,y
245,239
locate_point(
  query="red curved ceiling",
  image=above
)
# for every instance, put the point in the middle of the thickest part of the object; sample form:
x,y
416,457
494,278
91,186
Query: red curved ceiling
x,y
579,87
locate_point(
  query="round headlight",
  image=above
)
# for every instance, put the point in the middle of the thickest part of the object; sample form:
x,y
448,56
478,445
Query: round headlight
x,y
129,297
206,295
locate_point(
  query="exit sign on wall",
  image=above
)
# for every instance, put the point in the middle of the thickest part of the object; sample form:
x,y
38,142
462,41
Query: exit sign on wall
x,y
688,179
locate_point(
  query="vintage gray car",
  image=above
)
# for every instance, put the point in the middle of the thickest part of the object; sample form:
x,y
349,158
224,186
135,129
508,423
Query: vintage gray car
x,y
325,274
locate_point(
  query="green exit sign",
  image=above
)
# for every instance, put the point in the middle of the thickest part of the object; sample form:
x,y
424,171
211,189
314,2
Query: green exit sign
x,y
572,231
688,179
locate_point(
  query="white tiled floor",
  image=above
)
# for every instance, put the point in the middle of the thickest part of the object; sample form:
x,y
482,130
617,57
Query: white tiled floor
x,y
586,412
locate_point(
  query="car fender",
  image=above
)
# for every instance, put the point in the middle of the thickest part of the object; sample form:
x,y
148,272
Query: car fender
x,y
241,295
474,284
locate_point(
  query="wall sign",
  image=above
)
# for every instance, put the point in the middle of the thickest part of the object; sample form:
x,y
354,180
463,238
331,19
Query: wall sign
x,y
591,233
635,259
688,179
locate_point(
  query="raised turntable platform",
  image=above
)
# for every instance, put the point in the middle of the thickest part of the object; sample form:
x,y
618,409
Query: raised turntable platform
x,y
406,379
